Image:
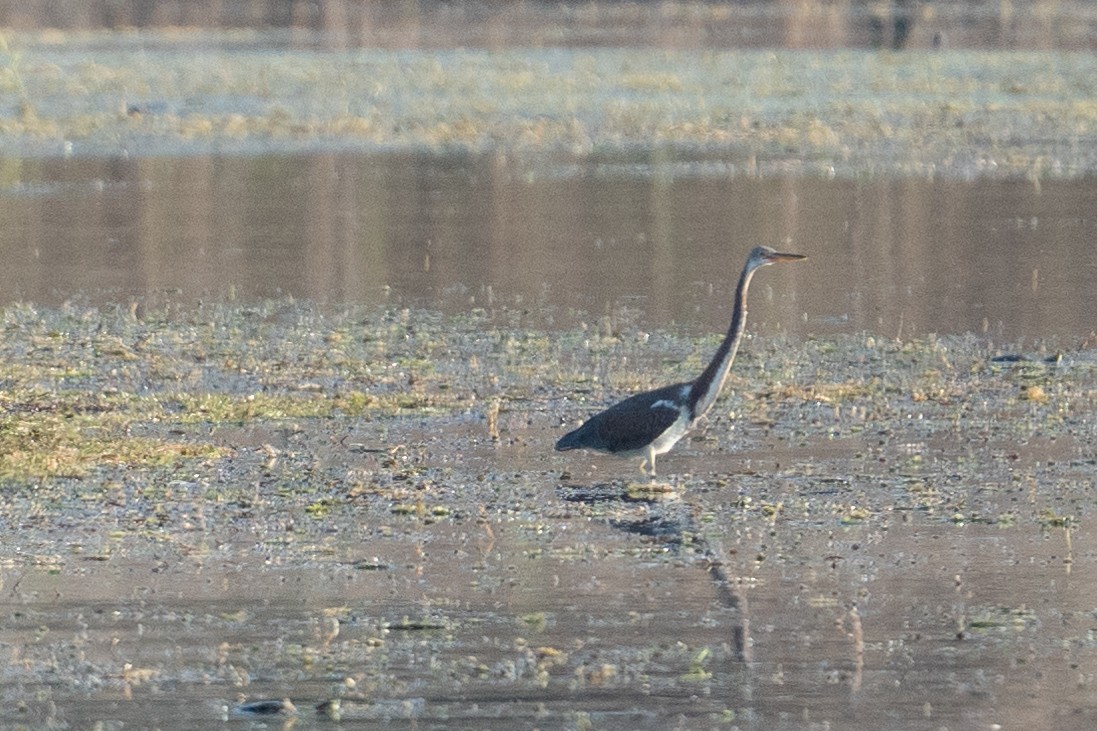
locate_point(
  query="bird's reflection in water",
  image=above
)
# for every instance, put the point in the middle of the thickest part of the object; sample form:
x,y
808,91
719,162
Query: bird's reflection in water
x,y
672,522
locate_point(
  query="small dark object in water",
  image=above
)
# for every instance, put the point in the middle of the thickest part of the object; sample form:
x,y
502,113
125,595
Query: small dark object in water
x,y
330,708
1053,359
268,707
651,423
137,110
407,625
371,565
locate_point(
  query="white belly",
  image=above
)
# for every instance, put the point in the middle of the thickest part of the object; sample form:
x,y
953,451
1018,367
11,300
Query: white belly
x,y
670,437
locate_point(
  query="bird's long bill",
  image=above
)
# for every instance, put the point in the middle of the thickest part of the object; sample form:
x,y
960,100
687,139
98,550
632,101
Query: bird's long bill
x,y
779,256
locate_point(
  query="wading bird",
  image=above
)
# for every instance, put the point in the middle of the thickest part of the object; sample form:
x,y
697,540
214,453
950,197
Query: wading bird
x,y
650,423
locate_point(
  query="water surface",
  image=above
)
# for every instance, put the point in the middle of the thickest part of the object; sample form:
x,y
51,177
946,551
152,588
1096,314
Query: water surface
x,y
893,24
655,241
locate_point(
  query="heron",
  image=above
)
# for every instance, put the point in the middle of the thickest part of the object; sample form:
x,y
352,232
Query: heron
x,y
651,423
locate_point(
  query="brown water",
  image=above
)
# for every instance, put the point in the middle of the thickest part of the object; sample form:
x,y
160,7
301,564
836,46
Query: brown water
x,y
659,240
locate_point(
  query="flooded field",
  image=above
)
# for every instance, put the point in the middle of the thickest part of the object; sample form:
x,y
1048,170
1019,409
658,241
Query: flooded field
x,y
291,319
274,501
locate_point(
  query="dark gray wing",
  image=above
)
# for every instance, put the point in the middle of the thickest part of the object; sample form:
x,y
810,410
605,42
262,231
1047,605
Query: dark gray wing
x,y
630,425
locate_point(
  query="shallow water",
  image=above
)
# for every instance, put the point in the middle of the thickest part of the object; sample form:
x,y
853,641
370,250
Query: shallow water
x,y
914,554
870,532
646,240
542,602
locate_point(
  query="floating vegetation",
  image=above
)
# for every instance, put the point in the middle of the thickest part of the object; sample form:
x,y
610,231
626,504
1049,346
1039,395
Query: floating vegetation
x,y
87,392
410,549
1002,618
697,672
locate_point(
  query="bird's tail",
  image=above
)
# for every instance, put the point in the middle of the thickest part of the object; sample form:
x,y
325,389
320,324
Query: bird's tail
x,y
571,440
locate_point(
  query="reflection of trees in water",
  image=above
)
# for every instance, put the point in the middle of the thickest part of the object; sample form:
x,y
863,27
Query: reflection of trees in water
x,y
685,24
890,25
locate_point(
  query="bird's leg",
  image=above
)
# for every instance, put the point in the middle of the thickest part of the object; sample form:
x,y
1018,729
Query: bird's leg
x,y
650,462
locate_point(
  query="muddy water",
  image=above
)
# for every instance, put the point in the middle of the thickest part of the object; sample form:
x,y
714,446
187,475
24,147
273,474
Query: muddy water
x,y
955,634
656,240
564,603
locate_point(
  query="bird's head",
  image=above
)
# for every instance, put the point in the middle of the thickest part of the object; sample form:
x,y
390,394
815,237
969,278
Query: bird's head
x,y
763,256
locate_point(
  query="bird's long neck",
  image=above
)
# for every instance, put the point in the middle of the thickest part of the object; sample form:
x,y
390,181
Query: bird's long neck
x,y
706,388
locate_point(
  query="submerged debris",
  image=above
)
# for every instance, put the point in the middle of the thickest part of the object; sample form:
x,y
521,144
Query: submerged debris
x,y
282,707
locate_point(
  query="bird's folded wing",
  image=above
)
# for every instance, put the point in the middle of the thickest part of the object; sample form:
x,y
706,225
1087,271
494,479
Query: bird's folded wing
x,y
628,429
